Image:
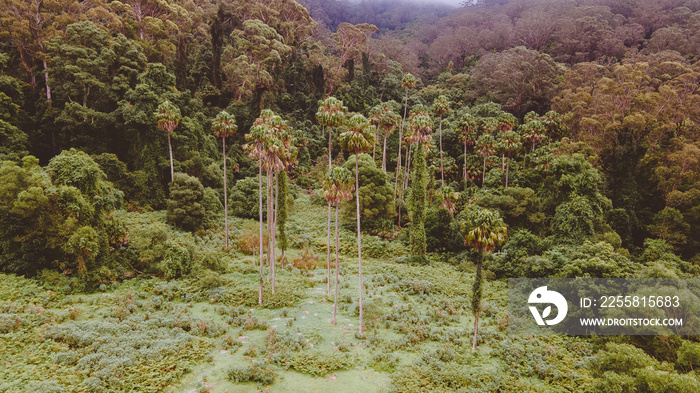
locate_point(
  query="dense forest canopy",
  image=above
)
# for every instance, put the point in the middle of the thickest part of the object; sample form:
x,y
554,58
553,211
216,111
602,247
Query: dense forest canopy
x,y
621,77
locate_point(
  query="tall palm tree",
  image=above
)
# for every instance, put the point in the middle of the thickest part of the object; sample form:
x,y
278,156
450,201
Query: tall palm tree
x,y
509,144
441,106
271,143
337,186
533,131
486,145
358,138
484,230
384,117
331,113
224,125
506,122
408,81
420,129
168,117
467,135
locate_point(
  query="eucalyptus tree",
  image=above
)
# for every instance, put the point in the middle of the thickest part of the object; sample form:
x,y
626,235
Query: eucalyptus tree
x,y
441,106
384,117
168,117
483,230
408,81
224,125
420,129
468,135
331,113
358,138
337,187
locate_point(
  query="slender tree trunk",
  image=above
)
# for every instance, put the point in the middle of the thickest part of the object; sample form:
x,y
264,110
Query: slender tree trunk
x,y
398,161
507,170
48,87
337,266
225,195
442,168
503,161
46,81
384,154
409,154
328,260
465,161
476,331
483,173
374,148
260,209
269,225
170,148
27,68
359,239
328,278
275,204
476,297
330,153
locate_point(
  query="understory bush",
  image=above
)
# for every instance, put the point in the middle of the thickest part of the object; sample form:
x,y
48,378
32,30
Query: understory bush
x,y
256,372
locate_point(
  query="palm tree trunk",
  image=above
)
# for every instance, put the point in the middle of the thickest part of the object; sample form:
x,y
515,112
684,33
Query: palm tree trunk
x,y
442,168
398,161
337,266
476,331
330,154
170,148
409,153
269,225
260,209
465,162
384,154
275,204
359,239
374,148
328,260
225,195
507,170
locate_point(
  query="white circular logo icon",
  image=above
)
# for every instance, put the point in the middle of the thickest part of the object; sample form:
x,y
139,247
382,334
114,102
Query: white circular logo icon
x,y
542,296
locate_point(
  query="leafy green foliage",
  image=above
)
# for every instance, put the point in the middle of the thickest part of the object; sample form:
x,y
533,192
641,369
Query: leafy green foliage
x,y
243,198
376,195
185,208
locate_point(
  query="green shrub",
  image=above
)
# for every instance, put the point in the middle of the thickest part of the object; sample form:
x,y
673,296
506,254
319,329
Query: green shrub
x,y
254,373
177,261
213,208
185,209
243,198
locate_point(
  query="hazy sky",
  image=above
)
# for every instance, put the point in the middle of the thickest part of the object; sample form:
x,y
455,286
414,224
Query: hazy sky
x,y
454,3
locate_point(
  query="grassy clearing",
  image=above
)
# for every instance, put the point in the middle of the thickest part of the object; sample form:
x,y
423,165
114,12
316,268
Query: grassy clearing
x,y
205,333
